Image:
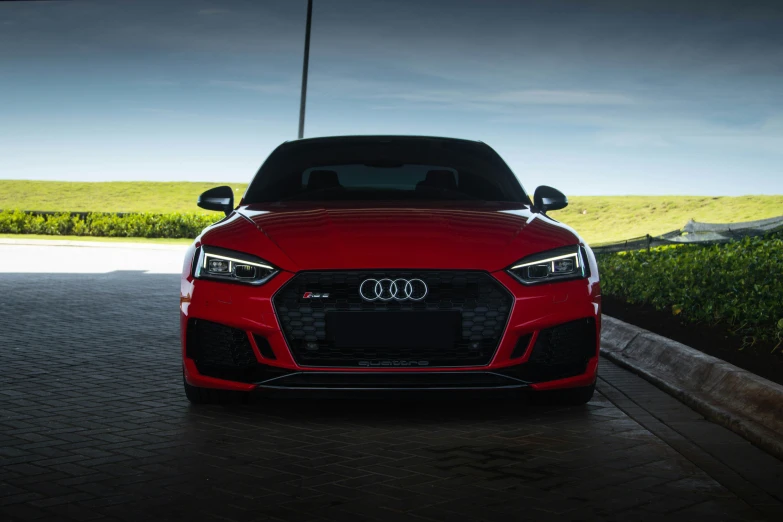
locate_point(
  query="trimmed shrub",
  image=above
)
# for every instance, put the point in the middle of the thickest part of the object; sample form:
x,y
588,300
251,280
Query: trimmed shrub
x,y
13,221
57,225
739,284
79,227
34,225
173,225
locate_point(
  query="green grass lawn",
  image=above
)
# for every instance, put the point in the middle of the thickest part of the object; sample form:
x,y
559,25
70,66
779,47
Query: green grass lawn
x,y
601,219
598,219
113,196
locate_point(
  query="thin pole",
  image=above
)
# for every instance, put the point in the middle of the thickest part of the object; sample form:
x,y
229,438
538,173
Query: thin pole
x,y
304,68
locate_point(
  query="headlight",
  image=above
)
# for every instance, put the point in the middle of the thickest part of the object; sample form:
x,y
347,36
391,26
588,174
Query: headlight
x,y
227,265
561,264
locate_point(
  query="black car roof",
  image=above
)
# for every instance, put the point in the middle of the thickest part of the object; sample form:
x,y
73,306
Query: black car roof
x,y
379,137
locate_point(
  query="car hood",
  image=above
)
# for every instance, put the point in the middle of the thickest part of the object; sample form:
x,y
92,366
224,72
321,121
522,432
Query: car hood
x,y
301,237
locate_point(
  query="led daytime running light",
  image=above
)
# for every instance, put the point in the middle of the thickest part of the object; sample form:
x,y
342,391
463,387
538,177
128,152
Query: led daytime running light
x,y
548,260
560,264
233,262
220,265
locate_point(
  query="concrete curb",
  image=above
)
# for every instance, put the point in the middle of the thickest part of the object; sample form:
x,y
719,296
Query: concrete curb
x,y
93,244
735,398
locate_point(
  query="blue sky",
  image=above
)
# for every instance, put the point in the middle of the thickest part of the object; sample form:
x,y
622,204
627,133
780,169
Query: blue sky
x,y
603,97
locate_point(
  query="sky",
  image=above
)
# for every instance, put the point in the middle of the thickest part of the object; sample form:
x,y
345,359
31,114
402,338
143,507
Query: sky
x,y
594,98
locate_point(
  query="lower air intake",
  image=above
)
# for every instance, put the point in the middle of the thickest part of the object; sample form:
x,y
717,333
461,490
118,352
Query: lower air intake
x,y
559,352
221,351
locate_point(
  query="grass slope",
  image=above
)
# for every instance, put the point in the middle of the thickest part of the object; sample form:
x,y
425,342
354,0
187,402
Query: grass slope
x,y
113,196
597,218
602,219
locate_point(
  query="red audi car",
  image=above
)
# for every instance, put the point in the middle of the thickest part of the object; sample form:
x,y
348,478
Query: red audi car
x,y
395,263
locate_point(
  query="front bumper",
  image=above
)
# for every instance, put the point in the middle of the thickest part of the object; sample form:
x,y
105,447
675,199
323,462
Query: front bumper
x,y
232,339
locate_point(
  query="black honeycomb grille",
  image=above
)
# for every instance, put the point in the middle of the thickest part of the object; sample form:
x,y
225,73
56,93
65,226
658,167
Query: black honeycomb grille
x,y
483,302
567,343
559,352
220,351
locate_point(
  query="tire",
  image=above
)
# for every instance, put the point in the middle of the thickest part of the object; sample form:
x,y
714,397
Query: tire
x,y
197,395
566,397
578,396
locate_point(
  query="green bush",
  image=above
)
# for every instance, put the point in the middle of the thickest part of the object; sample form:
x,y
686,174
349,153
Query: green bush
x,y
34,225
12,221
739,284
79,227
57,225
173,225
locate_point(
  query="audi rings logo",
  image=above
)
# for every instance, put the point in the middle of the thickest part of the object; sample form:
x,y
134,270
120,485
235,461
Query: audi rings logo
x,y
393,289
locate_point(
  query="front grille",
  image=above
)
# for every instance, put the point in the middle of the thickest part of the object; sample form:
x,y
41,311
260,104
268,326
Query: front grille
x,y
484,305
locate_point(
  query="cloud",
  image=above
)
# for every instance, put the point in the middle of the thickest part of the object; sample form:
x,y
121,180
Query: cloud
x,y
557,97
493,101
385,93
268,88
471,99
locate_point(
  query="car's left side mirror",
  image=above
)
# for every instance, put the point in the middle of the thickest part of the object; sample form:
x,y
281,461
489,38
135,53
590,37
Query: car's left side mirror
x,y
548,198
218,198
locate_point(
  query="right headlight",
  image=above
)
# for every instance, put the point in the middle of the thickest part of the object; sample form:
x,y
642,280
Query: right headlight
x,y
560,264
220,264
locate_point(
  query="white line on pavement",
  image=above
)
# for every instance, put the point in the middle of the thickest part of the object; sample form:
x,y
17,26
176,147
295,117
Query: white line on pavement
x,y
25,258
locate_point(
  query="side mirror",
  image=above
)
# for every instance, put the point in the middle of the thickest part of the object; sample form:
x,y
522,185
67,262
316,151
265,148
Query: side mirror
x,y
218,198
548,198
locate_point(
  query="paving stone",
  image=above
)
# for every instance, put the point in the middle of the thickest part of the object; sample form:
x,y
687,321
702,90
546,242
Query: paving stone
x,y
94,425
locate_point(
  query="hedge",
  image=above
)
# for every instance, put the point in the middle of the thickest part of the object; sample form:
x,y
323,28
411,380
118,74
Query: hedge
x,y
174,225
738,284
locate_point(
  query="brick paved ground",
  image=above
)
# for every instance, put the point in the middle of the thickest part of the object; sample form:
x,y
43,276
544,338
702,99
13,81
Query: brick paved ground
x,y
94,426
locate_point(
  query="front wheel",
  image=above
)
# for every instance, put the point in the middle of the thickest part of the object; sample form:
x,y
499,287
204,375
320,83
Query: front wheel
x,y
197,395
568,396
578,396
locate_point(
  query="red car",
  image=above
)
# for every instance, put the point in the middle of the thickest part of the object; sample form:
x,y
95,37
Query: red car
x,y
401,263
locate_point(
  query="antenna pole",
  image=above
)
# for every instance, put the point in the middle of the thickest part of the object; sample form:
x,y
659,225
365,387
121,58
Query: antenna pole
x,y
304,68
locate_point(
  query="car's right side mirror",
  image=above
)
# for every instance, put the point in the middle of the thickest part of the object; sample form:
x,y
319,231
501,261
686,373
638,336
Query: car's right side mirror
x,y
548,198
218,198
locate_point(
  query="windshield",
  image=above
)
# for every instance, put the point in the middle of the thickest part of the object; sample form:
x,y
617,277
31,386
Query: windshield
x,y
341,169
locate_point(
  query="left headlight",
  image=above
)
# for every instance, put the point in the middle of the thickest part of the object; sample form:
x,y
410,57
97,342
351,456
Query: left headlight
x,y
560,264
228,265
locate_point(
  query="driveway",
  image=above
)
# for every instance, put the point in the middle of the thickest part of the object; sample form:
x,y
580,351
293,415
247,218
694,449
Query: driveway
x,y
94,425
